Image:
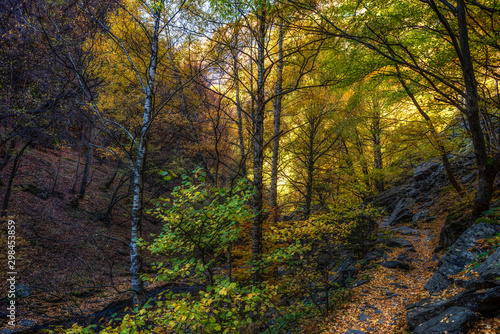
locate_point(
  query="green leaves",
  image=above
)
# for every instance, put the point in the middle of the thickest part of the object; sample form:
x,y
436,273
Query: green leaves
x,y
225,307
200,225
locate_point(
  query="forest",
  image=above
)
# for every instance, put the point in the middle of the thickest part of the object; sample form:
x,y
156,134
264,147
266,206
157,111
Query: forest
x,y
249,166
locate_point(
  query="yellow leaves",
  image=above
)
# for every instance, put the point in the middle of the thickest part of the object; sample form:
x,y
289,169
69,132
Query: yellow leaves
x,y
223,291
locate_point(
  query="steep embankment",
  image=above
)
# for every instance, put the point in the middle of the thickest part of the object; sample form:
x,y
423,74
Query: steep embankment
x,y
70,262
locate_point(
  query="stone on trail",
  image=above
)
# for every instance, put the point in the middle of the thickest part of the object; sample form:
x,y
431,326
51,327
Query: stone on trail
x,y
406,230
394,264
354,331
396,242
364,317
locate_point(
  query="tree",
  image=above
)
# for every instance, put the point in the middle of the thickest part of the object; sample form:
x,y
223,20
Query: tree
x,y
133,47
312,143
257,70
37,95
453,82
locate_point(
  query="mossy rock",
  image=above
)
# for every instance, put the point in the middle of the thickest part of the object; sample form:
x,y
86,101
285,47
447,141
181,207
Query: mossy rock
x,y
486,220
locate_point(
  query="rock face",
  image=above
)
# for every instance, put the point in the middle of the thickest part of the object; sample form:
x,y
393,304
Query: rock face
x,y
406,230
482,291
454,226
425,170
459,255
485,300
388,199
452,321
420,215
345,273
23,291
403,212
490,269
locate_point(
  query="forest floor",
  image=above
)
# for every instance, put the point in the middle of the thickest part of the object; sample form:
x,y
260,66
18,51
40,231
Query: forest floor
x,y
76,266
73,264
379,306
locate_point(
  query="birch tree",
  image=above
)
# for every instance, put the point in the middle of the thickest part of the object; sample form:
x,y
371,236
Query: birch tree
x,y
130,52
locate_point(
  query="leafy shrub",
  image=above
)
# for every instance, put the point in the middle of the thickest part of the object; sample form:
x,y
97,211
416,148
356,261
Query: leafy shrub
x,y
200,225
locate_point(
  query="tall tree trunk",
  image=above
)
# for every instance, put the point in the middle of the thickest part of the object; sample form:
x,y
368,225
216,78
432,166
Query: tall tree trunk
x,y
310,167
239,113
137,285
73,188
377,151
258,149
110,181
13,173
486,168
364,165
277,125
7,154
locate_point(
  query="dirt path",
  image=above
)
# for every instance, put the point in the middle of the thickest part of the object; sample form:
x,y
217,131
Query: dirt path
x,y
379,305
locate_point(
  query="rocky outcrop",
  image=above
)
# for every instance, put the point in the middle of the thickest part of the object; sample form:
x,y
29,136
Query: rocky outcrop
x,y
404,230
345,273
485,300
456,223
399,201
429,178
459,255
490,269
452,321
388,199
425,170
403,212
482,287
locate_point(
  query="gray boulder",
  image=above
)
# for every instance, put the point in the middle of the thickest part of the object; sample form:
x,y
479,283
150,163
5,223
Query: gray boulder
x,y
359,283
469,178
374,255
452,321
420,215
364,317
477,301
424,170
489,274
490,269
395,242
345,273
459,255
455,225
388,199
394,264
407,230
403,212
